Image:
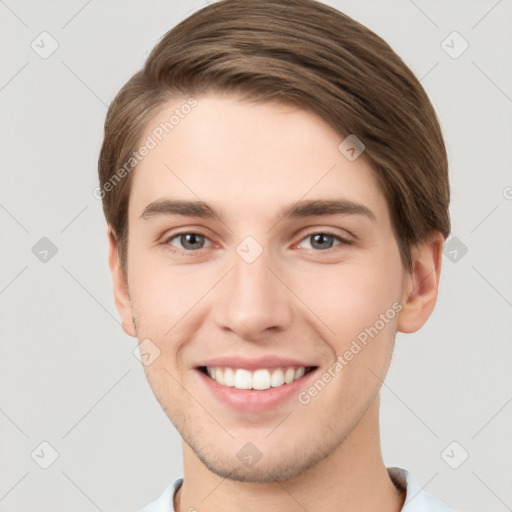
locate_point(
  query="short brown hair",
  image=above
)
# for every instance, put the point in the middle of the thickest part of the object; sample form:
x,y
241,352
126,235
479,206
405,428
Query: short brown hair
x,y
307,54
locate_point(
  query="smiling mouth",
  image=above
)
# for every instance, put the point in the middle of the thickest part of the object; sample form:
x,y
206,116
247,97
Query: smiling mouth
x,y
259,379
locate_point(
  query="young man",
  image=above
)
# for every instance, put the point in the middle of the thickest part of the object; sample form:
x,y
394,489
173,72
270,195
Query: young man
x,y
275,184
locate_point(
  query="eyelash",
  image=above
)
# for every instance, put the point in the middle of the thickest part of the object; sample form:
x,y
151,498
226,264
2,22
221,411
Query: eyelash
x,y
326,232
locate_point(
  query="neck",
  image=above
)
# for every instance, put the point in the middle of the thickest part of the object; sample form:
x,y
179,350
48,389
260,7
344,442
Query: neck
x,y
353,477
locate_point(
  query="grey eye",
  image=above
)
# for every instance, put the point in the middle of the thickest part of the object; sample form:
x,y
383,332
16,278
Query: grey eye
x,y
321,241
189,241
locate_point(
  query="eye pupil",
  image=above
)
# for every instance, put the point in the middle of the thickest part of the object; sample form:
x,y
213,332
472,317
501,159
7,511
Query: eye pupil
x,y
191,241
322,241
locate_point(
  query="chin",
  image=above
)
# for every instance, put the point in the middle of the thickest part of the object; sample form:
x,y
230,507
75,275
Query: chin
x,y
279,467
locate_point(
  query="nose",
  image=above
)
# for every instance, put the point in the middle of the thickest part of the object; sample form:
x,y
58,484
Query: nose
x,y
253,301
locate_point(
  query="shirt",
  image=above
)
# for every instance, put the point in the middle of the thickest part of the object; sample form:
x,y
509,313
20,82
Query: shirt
x,y
416,499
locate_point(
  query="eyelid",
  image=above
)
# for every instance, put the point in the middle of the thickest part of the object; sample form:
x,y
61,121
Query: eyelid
x,y
347,237
342,241
187,229
170,236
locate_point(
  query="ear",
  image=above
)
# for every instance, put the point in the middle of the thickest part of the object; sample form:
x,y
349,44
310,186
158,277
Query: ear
x,y
421,285
121,295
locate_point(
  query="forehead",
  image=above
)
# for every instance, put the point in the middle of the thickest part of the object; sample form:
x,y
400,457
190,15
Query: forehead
x,y
247,156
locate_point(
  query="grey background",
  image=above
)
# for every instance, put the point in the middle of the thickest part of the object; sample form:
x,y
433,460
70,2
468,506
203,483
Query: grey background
x,y
68,373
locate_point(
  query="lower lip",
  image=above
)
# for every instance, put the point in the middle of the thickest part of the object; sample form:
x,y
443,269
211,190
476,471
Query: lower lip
x,y
255,400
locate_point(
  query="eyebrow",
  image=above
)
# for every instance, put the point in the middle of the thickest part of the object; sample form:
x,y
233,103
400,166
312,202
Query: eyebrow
x,y
301,209
165,207
312,208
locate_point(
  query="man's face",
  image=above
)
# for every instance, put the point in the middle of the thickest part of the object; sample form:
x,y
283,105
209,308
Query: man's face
x,y
273,279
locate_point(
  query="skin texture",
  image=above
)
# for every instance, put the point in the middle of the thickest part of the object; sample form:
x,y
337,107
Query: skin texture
x,y
250,162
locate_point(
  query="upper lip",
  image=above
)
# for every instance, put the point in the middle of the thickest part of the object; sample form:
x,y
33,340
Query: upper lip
x,y
268,361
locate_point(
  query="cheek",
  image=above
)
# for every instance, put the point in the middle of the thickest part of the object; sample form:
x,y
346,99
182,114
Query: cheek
x,y
161,294
354,297
362,310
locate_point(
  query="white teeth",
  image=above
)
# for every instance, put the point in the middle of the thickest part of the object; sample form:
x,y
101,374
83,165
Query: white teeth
x,y
229,377
243,379
299,372
259,379
277,378
289,375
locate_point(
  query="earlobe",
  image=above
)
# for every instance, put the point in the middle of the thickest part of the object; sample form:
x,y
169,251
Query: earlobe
x,y
421,288
121,295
